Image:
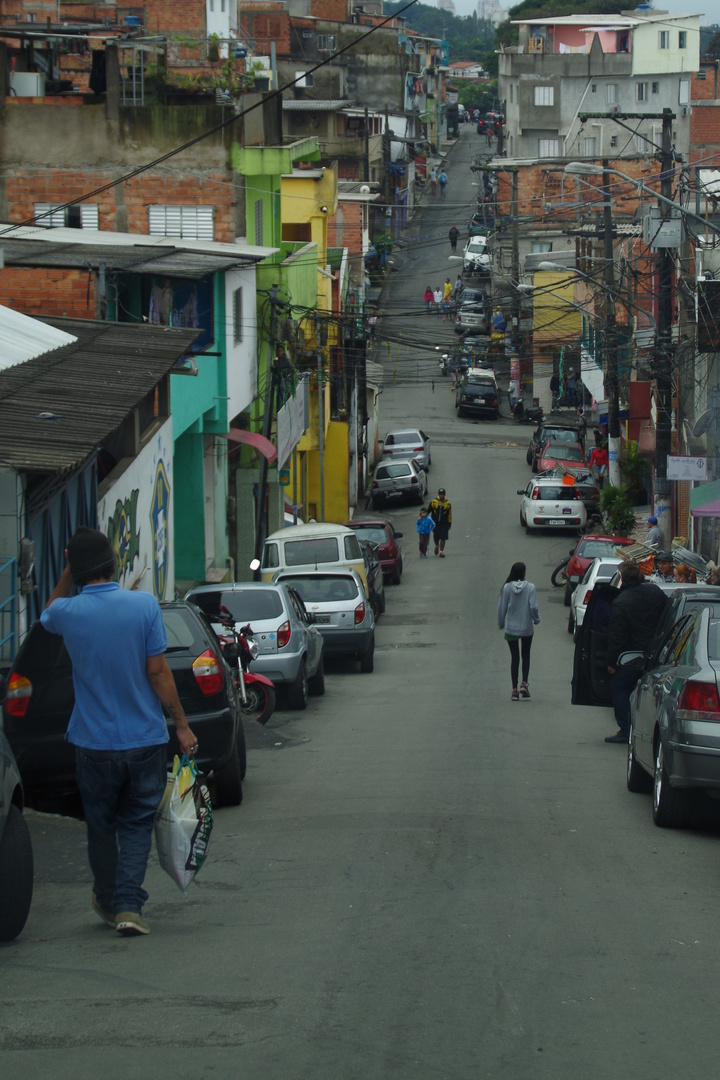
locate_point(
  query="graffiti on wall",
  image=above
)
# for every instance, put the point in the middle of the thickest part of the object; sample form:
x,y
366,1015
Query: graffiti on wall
x,y
159,526
124,534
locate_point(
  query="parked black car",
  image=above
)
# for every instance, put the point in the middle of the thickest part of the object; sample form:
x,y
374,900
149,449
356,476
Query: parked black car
x,y
375,579
16,855
547,431
40,698
477,395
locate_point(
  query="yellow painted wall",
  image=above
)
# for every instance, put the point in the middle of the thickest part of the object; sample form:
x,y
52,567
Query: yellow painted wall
x,y
336,475
301,199
555,316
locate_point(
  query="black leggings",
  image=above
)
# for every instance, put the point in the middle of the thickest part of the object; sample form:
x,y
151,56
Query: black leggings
x,y
526,643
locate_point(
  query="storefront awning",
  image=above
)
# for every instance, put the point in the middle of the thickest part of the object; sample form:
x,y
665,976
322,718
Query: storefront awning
x,y
705,500
253,438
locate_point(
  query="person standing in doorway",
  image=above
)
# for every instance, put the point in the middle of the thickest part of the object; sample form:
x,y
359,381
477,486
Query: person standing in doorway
x,y
453,238
518,615
443,181
116,641
441,513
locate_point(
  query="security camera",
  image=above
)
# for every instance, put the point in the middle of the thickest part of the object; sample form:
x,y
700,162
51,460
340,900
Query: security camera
x,y
323,209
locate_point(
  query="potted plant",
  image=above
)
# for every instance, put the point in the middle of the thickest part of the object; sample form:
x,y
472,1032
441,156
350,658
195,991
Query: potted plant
x,y
617,511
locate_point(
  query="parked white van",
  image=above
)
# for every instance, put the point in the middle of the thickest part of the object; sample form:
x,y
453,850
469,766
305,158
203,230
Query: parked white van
x,y
319,545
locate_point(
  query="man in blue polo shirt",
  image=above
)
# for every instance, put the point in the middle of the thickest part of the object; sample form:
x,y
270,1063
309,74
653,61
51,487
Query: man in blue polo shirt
x,y
116,641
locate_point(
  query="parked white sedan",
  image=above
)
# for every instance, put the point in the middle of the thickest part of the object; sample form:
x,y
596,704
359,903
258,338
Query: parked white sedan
x,y
549,503
600,569
408,443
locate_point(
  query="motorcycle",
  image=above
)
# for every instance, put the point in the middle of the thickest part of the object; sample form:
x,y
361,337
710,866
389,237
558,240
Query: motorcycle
x,y
531,415
559,574
444,364
256,692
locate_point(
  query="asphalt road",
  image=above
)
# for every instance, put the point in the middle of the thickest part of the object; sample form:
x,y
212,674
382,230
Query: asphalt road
x,y
426,881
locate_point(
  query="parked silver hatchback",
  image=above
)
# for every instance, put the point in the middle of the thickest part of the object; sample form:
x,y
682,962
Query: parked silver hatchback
x,y
291,647
343,615
397,480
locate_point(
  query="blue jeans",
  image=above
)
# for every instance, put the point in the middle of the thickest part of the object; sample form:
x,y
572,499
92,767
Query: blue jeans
x,y
622,684
121,790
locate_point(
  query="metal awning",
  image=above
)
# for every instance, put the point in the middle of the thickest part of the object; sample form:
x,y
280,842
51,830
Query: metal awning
x,y
56,409
705,500
255,439
23,338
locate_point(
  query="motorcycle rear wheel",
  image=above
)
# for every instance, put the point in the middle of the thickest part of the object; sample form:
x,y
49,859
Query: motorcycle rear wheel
x,y
559,576
260,702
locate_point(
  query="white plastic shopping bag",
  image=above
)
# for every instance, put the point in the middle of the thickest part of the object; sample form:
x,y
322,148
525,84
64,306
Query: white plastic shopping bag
x,y
183,823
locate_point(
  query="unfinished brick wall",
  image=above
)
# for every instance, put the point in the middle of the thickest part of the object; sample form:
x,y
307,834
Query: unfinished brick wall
x,y
42,291
345,228
124,208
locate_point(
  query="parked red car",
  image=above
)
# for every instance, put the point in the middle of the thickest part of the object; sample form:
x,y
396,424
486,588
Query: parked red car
x,y
381,532
588,549
553,454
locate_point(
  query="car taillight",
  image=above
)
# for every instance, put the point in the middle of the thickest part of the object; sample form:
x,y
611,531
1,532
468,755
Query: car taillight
x,y
494,401
387,451
359,613
573,567
17,697
586,599
375,483
418,449
535,494
283,635
414,480
208,674
699,697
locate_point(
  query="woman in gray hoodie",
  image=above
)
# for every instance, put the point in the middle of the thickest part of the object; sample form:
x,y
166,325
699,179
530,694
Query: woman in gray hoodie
x,y
518,615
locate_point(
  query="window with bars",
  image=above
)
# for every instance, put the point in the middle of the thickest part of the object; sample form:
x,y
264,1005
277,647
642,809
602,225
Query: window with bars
x,y
185,222
544,95
326,42
258,222
548,147
84,216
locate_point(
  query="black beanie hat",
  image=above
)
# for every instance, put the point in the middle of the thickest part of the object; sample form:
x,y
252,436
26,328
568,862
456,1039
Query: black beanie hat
x,y
89,554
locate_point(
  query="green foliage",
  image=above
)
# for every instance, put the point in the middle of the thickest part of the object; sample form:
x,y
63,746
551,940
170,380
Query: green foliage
x,y
530,9
475,96
462,31
618,514
710,48
634,469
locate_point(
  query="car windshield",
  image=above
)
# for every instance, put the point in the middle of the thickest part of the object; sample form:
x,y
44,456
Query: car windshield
x,y
590,549
402,437
323,588
375,533
477,244
563,453
386,472
561,435
319,549
245,605
562,493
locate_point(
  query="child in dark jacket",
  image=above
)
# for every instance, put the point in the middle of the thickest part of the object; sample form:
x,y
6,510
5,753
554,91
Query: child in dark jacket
x,y
425,526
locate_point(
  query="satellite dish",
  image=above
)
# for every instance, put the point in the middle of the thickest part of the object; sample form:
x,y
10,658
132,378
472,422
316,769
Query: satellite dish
x,y
365,189
702,423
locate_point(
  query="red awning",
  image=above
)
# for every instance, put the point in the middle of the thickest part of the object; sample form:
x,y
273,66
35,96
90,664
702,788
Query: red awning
x,y
253,438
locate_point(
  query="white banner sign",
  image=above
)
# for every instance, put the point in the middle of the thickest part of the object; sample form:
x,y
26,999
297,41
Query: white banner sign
x,y
687,468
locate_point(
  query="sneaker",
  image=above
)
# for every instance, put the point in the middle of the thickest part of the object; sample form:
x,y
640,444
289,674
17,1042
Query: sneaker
x,y
524,692
620,736
436,549
107,916
131,923
514,696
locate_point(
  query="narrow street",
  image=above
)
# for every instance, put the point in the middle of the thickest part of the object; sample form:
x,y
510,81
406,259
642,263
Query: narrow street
x,y
425,881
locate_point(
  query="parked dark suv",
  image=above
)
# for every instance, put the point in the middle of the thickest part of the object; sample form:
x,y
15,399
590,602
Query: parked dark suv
x,y
551,430
40,698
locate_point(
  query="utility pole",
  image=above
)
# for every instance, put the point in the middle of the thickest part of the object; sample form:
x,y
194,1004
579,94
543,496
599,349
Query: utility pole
x,y
321,413
610,342
515,268
261,513
664,354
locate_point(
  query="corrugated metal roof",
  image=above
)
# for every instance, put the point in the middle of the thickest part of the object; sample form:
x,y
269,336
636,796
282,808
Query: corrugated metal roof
x,y
306,105
56,408
141,253
22,338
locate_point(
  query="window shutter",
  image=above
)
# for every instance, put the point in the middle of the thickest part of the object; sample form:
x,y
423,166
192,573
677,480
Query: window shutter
x,y
184,222
89,216
53,216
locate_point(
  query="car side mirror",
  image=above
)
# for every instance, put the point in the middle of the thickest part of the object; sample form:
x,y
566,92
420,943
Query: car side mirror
x,y
632,659
521,491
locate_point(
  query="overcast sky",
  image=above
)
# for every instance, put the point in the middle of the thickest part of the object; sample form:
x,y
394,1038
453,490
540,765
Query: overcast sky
x,y
689,7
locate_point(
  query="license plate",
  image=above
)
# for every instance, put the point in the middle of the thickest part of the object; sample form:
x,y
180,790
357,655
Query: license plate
x,y
322,620
556,521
